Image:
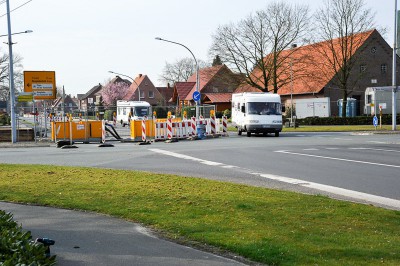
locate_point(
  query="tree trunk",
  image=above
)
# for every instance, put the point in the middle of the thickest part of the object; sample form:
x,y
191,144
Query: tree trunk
x,y
344,105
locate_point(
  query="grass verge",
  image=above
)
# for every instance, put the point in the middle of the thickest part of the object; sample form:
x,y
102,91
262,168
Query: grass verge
x,y
264,225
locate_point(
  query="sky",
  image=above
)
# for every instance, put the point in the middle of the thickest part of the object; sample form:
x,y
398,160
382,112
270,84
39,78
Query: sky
x,y
81,40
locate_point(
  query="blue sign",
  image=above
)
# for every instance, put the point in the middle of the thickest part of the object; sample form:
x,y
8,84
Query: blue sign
x,y
375,121
196,96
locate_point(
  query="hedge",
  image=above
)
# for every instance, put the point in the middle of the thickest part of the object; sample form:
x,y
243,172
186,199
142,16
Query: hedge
x,y
358,120
17,247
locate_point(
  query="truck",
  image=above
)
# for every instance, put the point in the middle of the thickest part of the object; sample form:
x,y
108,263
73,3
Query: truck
x,y
257,112
312,107
380,98
137,110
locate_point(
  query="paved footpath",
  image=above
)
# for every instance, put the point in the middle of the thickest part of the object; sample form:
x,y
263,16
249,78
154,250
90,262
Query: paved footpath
x,y
92,239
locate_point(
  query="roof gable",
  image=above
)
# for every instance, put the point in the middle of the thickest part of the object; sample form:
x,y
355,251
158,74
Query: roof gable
x,y
182,90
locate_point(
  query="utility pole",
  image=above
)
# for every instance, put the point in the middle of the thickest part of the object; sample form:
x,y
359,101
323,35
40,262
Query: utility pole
x,y
11,77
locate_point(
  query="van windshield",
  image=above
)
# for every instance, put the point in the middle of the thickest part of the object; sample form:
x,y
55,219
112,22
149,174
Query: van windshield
x,y
268,108
141,111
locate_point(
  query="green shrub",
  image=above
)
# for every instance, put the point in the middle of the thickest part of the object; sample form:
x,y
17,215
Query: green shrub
x,y
17,247
335,120
5,119
108,115
227,113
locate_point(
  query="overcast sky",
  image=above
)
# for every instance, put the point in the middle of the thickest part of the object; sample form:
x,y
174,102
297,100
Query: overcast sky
x,y
83,39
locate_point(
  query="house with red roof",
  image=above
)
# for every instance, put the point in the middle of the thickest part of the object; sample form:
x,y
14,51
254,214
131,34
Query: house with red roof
x,y
309,73
148,92
216,85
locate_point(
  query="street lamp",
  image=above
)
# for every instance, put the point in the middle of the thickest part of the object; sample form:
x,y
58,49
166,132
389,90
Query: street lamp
x,y
394,90
11,75
112,72
197,71
291,84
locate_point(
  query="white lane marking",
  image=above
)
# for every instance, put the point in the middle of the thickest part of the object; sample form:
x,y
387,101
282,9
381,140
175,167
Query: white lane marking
x,y
339,159
330,189
377,142
311,149
331,148
372,149
186,157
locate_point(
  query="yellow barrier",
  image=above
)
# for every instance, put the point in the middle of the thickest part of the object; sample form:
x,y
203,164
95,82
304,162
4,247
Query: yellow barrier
x,y
84,131
136,129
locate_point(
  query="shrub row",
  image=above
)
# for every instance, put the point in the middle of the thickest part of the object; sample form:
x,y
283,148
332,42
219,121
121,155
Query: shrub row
x,y
5,119
358,120
17,247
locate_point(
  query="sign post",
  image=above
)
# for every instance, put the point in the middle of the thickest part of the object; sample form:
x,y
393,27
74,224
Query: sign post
x,y
375,121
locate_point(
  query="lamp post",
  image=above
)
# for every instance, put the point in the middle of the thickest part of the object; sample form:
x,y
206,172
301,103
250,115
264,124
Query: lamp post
x,y
11,75
394,90
119,74
197,71
291,84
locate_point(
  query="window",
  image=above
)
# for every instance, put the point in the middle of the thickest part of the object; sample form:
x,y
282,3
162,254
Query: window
x,y
383,69
363,68
141,94
151,94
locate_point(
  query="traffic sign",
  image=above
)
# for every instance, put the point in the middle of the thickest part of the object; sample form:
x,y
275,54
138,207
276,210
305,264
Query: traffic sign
x,y
196,96
375,121
41,83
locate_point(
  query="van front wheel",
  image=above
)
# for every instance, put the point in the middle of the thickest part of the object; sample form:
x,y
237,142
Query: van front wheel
x,y
249,134
239,131
276,134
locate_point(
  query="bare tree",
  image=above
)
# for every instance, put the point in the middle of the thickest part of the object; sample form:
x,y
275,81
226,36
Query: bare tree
x,y
4,75
340,24
181,70
254,46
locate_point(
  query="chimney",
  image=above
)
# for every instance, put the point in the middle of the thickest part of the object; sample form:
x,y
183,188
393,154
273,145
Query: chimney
x,y
168,86
140,75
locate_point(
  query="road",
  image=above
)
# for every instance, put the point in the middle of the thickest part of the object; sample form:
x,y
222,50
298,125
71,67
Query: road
x,y
362,168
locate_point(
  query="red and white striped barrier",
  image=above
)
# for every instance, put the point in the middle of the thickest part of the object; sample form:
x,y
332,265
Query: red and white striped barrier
x,y
144,138
114,121
224,126
169,128
213,125
193,126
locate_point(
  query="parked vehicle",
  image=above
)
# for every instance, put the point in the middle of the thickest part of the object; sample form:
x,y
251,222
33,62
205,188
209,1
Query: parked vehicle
x,y
137,110
380,96
257,112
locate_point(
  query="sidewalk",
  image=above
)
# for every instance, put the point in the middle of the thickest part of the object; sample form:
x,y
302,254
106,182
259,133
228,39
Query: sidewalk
x,y
92,239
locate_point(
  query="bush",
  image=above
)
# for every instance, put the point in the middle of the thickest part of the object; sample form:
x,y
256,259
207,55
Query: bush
x,y
108,115
17,247
335,120
5,119
227,113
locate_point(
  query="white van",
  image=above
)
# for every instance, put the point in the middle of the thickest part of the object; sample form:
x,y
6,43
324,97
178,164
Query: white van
x,y
257,112
137,109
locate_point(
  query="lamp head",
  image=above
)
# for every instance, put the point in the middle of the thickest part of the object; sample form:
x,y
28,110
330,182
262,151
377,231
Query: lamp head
x,y
158,38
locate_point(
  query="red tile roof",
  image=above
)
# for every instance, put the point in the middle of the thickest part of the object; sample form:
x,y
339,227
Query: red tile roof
x,y
131,95
311,68
182,90
218,97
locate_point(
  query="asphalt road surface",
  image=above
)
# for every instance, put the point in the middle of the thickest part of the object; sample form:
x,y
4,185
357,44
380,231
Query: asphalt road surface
x,y
363,168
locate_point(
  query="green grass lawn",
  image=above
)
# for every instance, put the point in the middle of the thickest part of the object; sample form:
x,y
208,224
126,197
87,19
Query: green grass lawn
x,y
263,225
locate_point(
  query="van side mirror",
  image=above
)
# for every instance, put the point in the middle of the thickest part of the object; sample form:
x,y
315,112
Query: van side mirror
x,y
242,109
283,108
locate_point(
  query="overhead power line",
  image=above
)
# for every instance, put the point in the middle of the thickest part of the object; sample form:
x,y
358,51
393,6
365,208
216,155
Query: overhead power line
x,y
14,8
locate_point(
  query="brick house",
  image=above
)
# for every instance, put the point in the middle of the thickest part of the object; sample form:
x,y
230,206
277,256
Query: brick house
x,y
314,78
148,92
216,85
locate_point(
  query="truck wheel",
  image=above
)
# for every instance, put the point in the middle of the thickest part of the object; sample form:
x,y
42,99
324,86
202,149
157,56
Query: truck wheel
x,y
239,131
249,134
276,134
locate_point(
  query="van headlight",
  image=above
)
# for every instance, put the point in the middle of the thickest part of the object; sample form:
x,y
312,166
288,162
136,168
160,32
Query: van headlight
x,y
277,122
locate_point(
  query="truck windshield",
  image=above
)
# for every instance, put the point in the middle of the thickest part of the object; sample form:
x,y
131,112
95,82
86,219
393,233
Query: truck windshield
x,y
268,108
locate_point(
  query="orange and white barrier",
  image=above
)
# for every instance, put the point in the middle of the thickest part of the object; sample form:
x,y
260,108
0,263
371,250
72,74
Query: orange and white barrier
x,y
184,129
144,138
224,126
